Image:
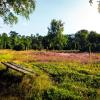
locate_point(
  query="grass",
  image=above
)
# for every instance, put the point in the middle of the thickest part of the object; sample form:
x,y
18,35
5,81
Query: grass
x,y
61,76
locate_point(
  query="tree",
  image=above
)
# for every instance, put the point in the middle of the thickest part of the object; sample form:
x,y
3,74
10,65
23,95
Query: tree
x,y
28,42
81,39
91,2
4,40
23,42
94,41
37,42
55,37
14,39
11,9
71,42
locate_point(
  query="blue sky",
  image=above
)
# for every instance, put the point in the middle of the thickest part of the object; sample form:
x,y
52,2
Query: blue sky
x,y
76,15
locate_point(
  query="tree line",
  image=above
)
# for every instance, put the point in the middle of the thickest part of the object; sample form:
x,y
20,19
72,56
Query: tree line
x,y
82,40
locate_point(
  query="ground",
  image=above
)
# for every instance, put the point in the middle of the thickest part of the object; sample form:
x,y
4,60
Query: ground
x,y
71,76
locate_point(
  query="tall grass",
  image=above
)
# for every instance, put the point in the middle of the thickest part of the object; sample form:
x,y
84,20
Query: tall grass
x,y
57,80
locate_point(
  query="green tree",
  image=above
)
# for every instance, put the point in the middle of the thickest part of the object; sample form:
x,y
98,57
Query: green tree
x,y
94,41
81,40
55,35
71,42
5,41
28,42
23,42
46,42
14,39
0,42
11,9
37,42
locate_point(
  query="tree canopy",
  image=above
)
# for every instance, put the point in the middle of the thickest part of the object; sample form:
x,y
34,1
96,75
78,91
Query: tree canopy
x,y
11,9
82,40
55,34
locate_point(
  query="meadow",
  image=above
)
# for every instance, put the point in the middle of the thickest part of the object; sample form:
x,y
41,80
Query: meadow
x,y
62,76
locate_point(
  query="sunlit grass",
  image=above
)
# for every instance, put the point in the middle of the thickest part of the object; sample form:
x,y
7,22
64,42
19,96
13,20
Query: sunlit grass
x,y
60,76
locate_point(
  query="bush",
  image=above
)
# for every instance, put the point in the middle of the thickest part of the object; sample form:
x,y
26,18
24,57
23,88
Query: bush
x,y
60,94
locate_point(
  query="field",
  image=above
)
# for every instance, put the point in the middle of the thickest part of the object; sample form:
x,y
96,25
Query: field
x,y
62,76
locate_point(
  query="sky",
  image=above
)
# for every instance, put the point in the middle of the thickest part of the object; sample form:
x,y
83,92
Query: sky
x,y
76,15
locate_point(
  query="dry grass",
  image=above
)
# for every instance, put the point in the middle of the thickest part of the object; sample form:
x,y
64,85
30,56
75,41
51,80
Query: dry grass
x,y
64,76
47,56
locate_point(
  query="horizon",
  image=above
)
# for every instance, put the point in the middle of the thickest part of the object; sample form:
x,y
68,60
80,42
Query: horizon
x,y
76,16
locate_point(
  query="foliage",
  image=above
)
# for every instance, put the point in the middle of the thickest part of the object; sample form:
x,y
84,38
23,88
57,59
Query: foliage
x,y
94,41
11,9
56,80
56,39
83,40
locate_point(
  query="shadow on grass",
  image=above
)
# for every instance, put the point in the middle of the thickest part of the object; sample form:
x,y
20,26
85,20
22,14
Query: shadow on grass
x,y
9,84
